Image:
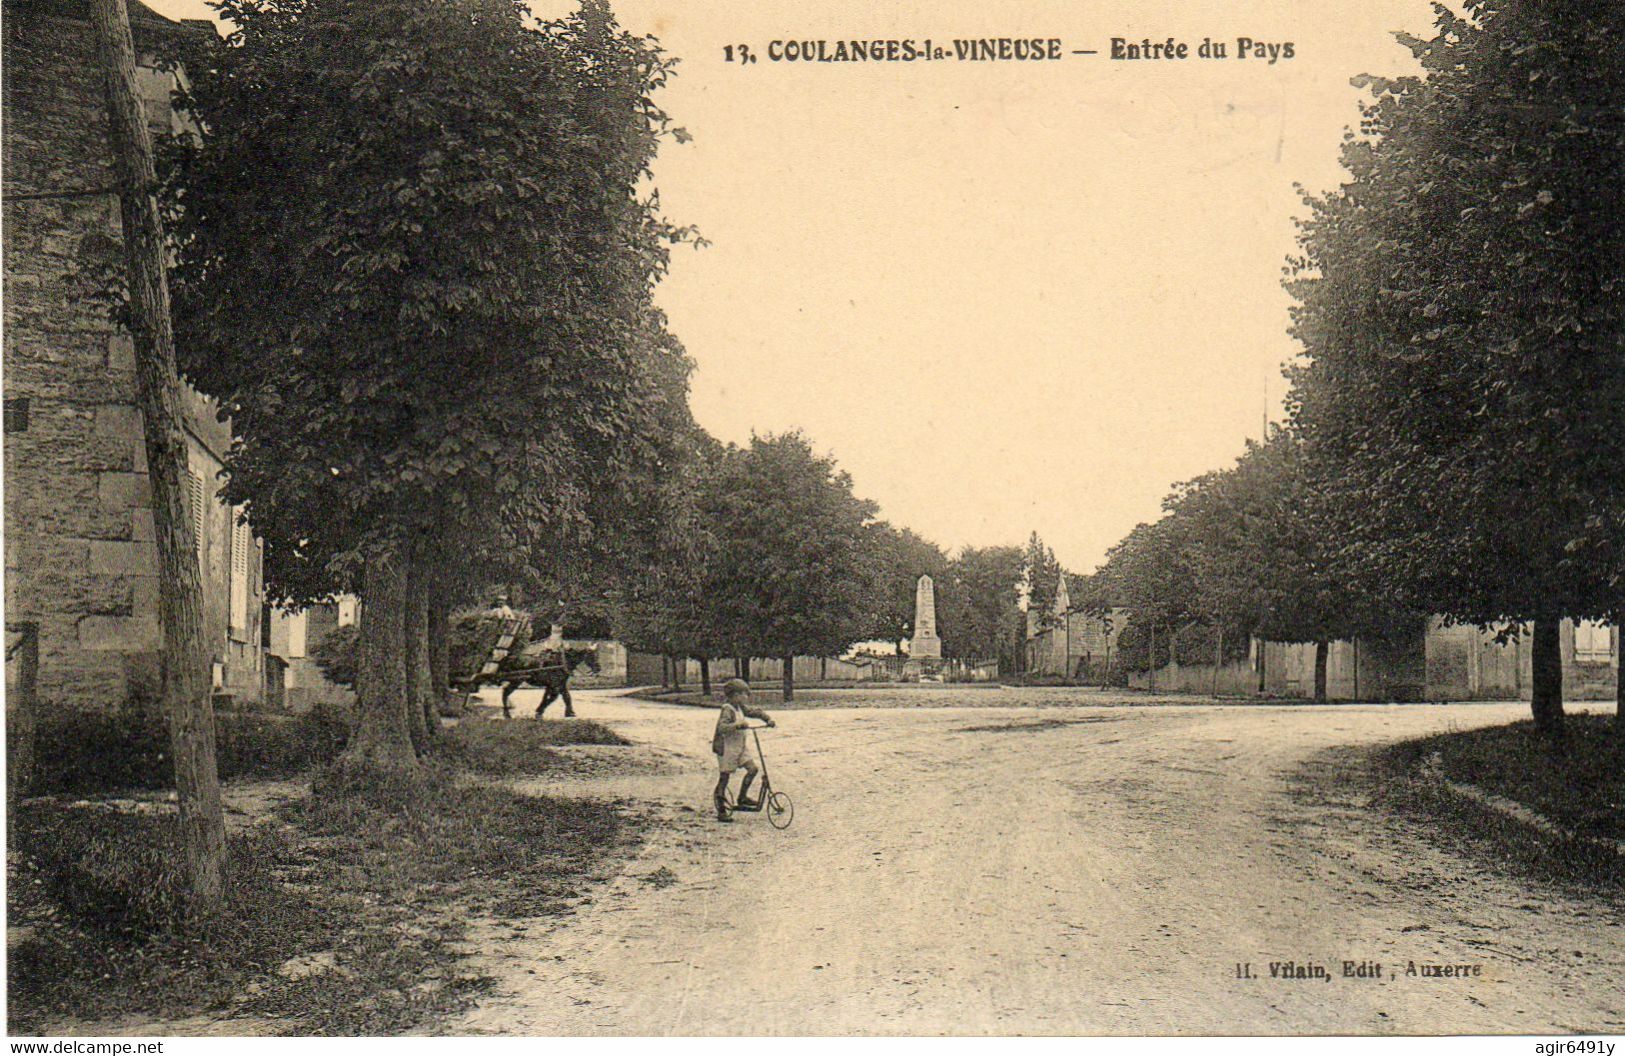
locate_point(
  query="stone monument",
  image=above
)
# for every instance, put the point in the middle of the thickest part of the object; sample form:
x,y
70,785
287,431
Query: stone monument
x,y
925,645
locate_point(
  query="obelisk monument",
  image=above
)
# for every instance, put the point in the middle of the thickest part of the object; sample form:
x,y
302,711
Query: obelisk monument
x,y
925,645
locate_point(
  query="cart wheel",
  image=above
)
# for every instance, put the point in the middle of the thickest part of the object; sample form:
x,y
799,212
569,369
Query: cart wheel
x,y
780,810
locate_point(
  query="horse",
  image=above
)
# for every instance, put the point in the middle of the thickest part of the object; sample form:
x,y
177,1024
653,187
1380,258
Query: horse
x,y
547,671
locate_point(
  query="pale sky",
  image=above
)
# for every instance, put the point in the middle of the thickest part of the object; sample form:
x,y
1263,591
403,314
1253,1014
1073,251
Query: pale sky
x,y
1005,296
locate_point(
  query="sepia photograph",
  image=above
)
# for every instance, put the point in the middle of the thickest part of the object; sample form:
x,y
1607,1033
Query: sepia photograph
x,y
623,518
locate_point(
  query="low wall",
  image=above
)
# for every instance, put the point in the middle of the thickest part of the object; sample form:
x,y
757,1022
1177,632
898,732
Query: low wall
x,y
1230,680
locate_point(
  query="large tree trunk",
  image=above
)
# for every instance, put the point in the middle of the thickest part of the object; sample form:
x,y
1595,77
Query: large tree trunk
x,y
439,645
424,720
1546,677
21,712
742,668
677,665
1323,649
381,736
185,662
789,678
705,676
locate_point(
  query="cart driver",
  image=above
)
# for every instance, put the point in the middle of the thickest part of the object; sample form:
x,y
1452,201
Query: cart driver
x,y
729,743
552,647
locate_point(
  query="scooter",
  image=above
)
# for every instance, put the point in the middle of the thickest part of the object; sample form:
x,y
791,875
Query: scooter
x,y
776,805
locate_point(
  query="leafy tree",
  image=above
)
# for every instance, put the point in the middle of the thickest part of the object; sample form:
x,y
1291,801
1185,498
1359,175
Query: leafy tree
x,y
900,558
978,607
1043,578
790,571
659,597
335,655
1148,573
1459,304
1263,555
415,266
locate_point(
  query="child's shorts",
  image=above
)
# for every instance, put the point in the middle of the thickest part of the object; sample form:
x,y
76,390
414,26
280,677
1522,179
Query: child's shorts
x,y
735,756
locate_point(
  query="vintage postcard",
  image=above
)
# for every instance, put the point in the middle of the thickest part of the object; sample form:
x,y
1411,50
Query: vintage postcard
x,y
626,518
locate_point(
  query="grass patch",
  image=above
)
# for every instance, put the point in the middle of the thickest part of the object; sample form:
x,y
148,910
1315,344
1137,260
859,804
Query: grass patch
x,y
101,888
92,752
518,747
1581,789
344,917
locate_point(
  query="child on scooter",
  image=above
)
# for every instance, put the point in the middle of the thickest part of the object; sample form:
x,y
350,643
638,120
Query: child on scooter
x,y
728,743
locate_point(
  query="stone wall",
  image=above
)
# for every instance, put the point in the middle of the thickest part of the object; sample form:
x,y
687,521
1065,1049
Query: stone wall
x,y
80,557
1446,662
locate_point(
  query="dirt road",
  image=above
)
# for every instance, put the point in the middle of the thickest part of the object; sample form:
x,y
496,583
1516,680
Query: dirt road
x,y
1040,871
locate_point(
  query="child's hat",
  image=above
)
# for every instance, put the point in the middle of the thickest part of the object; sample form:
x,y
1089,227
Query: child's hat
x,y
735,686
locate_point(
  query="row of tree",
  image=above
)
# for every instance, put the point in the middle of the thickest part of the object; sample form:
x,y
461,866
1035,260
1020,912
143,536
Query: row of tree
x,y
414,263
764,550
1249,551
412,256
1457,427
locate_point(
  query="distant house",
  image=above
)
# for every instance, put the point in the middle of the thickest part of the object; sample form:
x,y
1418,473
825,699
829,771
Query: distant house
x,y
81,563
1074,643
293,680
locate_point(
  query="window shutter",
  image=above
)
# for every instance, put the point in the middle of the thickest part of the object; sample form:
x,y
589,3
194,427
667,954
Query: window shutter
x,y
194,493
241,541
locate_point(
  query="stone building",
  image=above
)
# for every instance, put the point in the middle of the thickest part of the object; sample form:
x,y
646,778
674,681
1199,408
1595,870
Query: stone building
x,y
1073,643
293,680
80,558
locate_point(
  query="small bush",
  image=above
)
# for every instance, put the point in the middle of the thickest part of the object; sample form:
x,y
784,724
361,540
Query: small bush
x,y
81,752
335,655
510,748
87,752
254,744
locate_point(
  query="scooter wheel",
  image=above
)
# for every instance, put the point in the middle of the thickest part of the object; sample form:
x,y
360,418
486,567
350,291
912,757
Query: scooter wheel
x,y
780,810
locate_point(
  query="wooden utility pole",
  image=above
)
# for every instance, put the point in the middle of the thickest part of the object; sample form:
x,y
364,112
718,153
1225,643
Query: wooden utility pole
x,y
186,682
1153,655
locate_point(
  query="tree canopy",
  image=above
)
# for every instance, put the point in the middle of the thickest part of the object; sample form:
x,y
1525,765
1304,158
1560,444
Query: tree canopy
x,y
900,558
1458,304
415,261
978,607
792,562
415,266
